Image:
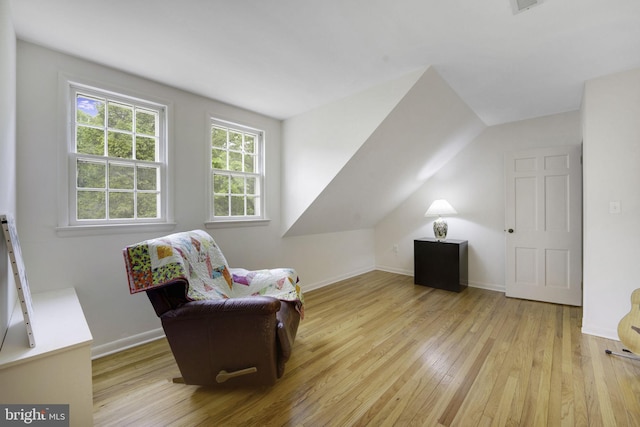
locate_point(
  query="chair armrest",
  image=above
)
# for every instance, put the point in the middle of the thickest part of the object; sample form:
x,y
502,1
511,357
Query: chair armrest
x,y
256,305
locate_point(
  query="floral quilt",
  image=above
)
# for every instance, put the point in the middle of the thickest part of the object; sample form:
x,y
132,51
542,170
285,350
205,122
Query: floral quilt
x,y
195,257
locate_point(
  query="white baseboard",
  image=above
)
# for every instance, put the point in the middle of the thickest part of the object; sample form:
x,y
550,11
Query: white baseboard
x,y
488,286
394,270
126,343
309,287
600,332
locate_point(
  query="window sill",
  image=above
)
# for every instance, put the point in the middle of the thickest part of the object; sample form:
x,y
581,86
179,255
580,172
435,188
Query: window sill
x,y
93,230
233,223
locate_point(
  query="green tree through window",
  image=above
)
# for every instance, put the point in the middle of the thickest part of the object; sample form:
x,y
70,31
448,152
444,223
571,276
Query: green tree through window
x,y
236,171
117,158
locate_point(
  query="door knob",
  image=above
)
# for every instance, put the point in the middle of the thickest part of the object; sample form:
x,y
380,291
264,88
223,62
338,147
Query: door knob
x,y
510,230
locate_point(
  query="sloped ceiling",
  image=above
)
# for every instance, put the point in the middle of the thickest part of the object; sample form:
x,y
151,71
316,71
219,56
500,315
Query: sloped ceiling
x,y
427,128
285,57
319,143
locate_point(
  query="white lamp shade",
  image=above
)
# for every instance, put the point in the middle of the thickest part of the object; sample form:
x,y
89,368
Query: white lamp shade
x,y
440,207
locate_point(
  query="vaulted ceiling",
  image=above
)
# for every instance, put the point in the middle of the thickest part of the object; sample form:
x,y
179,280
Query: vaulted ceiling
x,y
418,135
285,57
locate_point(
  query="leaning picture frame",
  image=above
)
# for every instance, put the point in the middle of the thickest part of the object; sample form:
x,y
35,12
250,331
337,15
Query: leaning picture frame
x,y
19,273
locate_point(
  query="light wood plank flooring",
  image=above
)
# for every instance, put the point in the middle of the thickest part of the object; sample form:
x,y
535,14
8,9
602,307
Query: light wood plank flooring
x,y
378,350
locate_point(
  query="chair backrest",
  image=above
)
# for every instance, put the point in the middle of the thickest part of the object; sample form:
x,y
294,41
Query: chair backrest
x,y
168,297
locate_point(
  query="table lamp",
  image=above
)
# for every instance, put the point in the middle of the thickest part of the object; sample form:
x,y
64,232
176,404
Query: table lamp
x,y
438,208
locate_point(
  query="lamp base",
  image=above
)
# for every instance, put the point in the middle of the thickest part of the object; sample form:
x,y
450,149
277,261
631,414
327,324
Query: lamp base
x,y
440,229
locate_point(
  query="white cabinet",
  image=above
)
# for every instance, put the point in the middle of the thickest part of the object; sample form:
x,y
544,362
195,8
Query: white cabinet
x,y
58,369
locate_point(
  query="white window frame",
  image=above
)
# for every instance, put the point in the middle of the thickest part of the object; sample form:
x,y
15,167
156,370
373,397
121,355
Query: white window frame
x,y
67,211
214,221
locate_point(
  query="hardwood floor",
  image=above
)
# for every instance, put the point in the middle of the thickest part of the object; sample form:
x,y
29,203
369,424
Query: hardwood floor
x,y
379,350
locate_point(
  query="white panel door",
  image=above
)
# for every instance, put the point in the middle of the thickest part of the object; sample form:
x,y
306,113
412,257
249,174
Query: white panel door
x,y
544,225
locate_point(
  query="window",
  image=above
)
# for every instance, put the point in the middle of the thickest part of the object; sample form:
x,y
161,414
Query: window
x,y
117,156
236,172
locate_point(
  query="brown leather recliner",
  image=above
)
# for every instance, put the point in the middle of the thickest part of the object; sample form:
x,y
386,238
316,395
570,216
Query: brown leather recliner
x,y
230,342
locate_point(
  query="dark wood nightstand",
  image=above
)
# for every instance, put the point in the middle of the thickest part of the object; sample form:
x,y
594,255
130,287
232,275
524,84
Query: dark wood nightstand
x,y
442,265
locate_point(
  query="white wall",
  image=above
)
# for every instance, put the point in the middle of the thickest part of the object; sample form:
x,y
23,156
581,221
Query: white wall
x,y
611,120
317,144
94,264
7,154
473,182
426,129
